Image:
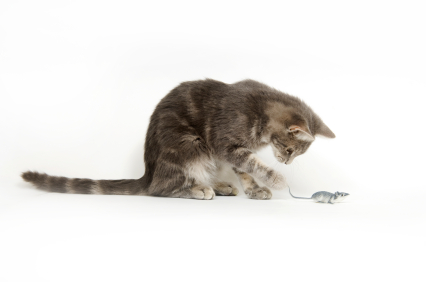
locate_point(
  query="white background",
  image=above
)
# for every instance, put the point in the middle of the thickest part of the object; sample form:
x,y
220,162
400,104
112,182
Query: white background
x,y
79,80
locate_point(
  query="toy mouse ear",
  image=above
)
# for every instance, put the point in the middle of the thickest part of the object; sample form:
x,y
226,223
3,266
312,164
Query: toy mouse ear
x,y
301,132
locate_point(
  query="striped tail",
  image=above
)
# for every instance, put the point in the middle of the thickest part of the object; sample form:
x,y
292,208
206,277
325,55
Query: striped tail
x,y
83,185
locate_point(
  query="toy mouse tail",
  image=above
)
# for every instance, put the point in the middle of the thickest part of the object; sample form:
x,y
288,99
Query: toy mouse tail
x,y
297,197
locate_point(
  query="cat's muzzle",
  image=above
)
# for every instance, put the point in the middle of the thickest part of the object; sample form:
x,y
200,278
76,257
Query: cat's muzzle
x,y
280,159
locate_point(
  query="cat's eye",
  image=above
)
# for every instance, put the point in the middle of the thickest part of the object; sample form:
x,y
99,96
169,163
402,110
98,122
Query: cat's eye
x,y
278,144
290,151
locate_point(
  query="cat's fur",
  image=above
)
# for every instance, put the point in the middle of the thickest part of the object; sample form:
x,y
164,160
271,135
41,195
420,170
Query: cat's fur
x,y
201,123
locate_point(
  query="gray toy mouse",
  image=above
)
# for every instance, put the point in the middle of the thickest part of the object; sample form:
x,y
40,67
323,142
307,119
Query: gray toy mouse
x,y
325,197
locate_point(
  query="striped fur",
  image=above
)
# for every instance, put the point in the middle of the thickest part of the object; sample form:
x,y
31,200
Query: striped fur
x,y
202,123
82,185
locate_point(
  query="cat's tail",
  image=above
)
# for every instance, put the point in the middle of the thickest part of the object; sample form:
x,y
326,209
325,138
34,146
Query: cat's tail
x,y
83,185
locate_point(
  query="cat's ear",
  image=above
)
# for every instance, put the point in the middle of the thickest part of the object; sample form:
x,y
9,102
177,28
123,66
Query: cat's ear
x,y
325,131
301,132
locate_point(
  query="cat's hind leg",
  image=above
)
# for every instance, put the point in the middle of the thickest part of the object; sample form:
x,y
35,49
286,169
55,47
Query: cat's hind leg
x,y
184,168
171,180
190,181
251,188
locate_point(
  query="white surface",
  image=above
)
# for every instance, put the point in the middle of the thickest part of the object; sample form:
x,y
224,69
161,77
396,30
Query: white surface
x,y
79,80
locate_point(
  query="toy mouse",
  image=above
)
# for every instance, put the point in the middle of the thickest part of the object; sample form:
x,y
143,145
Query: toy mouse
x,y
325,197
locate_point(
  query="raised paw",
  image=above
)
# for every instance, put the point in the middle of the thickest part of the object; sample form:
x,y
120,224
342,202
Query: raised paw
x,y
202,193
260,193
225,189
276,181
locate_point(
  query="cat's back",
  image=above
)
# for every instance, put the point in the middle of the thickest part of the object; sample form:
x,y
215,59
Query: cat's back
x,y
251,85
212,91
195,91
190,104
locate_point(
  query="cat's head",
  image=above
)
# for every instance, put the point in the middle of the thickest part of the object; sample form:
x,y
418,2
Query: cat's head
x,y
291,134
287,146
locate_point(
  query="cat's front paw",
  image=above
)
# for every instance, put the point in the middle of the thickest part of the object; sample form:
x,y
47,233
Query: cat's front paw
x,y
260,193
276,181
225,189
202,193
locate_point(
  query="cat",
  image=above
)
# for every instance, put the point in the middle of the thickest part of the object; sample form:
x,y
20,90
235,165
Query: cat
x,y
199,125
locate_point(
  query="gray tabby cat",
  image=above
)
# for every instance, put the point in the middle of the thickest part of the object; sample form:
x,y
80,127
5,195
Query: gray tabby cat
x,y
200,124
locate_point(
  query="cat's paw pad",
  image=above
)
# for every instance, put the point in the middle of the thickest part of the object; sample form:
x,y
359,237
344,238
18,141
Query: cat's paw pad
x,y
261,193
225,189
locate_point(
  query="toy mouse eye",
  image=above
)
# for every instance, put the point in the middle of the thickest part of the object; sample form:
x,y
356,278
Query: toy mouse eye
x,y
290,151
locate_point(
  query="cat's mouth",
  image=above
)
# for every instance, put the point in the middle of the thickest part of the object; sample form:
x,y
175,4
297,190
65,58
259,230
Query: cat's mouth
x,y
280,159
